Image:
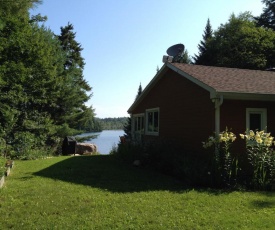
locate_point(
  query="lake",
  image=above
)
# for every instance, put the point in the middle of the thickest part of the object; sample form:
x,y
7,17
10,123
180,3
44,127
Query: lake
x,y
105,140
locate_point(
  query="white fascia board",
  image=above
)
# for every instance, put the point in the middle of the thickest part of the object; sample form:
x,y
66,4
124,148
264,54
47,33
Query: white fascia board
x,y
246,96
154,80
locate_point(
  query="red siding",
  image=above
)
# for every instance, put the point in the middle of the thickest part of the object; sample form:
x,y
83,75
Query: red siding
x,y
186,112
233,116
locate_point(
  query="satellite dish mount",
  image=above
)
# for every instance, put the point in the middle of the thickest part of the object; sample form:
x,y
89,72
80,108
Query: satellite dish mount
x,y
175,53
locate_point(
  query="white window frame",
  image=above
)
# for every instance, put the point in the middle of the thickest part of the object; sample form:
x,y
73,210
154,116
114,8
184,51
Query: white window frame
x,y
137,134
262,112
136,116
149,132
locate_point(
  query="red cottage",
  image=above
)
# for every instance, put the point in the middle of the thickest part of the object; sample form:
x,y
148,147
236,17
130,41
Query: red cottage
x,y
188,103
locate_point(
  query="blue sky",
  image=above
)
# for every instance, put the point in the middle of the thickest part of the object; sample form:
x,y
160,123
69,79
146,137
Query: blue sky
x,y
124,40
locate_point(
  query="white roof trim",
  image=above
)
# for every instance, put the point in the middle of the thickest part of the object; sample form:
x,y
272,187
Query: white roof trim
x,y
211,90
192,79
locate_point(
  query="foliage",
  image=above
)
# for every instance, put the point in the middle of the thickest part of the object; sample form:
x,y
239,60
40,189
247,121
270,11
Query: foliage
x,y
224,170
165,157
139,91
261,157
111,195
128,128
204,57
112,123
74,92
2,166
240,43
43,91
267,18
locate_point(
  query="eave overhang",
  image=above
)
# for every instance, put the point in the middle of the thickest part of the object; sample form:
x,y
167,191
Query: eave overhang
x,y
214,94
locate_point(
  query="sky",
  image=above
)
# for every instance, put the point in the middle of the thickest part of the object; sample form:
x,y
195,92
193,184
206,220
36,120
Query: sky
x,y
124,41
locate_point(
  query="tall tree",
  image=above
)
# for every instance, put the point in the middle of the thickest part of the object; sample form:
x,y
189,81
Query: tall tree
x,y
128,126
76,90
28,76
139,91
240,43
185,58
204,57
267,18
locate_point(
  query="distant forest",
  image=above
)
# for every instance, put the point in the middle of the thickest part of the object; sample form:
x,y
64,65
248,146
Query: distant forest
x,y
112,123
99,124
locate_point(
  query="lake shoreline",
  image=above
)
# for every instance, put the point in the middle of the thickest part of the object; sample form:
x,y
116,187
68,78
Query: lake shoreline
x,y
105,140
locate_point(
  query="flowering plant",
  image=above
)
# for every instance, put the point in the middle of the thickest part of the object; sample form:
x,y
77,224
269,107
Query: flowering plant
x,y
260,156
224,163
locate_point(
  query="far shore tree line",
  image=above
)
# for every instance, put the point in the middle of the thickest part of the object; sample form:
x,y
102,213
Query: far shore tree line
x,y
99,124
43,89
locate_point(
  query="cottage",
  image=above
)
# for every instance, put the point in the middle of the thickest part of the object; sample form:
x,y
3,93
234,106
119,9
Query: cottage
x,y
187,103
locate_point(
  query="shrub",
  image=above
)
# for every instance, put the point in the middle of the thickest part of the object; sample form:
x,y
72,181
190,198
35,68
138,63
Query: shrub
x,y
166,157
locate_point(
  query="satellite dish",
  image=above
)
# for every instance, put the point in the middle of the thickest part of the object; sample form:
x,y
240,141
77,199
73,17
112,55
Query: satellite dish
x,y
175,50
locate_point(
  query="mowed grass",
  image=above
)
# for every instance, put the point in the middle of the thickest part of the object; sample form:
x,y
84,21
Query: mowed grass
x,y
99,192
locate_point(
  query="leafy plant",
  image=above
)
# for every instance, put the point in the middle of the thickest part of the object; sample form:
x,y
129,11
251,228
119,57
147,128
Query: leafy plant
x,y
261,157
225,164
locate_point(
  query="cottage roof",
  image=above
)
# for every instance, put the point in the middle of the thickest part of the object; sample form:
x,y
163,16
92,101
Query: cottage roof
x,y
231,79
230,83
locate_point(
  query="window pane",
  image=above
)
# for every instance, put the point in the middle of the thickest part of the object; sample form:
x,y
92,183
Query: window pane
x,y
150,121
156,121
142,123
136,123
255,121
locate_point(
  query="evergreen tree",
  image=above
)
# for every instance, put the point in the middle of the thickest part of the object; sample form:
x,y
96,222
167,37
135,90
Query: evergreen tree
x,y
267,18
185,58
139,91
204,56
28,77
128,126
75,88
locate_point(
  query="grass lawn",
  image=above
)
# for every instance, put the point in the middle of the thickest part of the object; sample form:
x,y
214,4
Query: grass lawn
x,y
98,192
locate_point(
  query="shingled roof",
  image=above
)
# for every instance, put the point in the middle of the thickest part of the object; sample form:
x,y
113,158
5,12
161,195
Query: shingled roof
x,y
230,83
231,79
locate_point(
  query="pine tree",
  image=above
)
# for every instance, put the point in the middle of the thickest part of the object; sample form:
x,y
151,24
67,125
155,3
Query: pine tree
x,y
139,91
128,126
203,58
267,18
75,87
185,58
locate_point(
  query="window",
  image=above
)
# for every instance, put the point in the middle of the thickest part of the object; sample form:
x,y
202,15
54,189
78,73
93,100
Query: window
x,y
139,122
152,121
256,119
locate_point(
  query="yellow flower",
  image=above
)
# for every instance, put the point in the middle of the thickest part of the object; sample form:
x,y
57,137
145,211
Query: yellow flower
x,y
259,140
242,136
251,133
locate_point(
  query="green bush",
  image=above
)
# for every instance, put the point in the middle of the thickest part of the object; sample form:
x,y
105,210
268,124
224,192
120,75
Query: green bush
x,y
168,158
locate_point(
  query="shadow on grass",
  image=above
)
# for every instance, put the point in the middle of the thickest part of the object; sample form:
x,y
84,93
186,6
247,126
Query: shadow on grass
x,y
105,172
260,204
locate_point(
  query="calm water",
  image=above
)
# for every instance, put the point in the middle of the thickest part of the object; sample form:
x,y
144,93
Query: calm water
x,y
105,140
